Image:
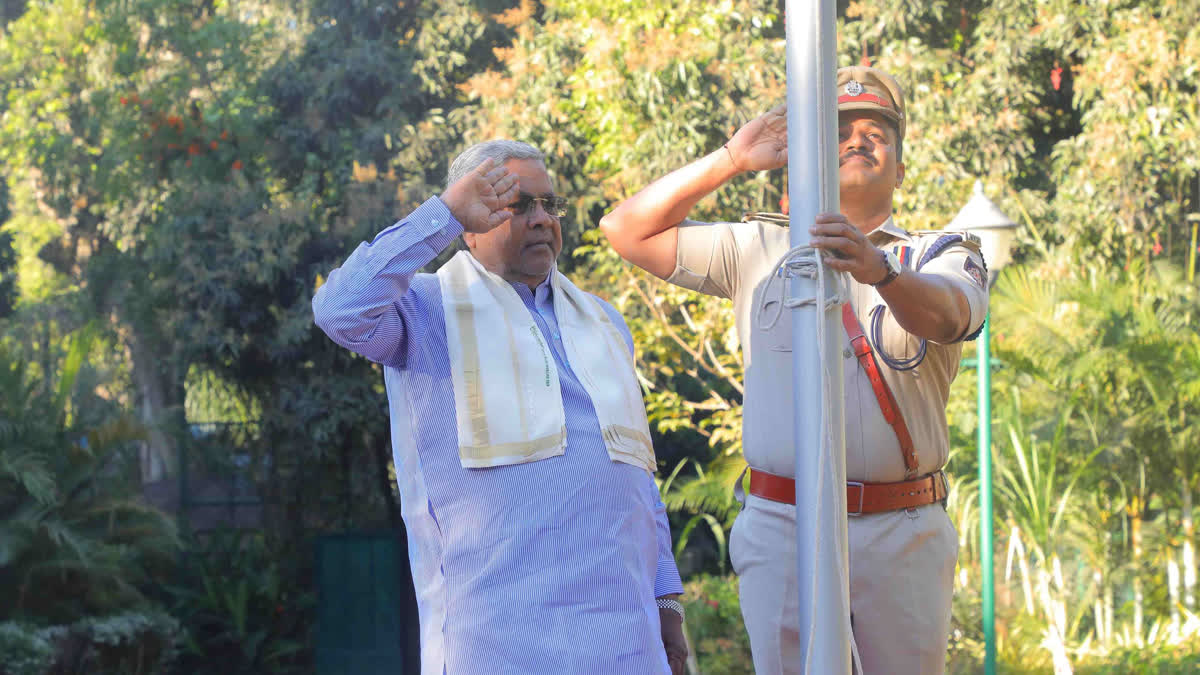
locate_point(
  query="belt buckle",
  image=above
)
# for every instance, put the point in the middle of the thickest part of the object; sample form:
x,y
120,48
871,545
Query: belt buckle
x,y
862,491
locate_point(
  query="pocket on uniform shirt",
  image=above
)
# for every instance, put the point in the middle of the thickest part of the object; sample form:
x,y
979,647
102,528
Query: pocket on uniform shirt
x,y
770,322
779,336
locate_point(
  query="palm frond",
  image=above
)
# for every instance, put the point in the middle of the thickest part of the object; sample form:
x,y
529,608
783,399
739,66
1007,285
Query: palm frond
x,y
31,471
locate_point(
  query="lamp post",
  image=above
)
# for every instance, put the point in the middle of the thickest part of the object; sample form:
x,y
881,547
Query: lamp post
x,y
995,230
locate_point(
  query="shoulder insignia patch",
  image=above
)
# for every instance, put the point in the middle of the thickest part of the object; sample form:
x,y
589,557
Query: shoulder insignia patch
x,y
975,271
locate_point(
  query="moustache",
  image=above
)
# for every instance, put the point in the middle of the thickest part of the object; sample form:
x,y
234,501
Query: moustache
x,y
857,153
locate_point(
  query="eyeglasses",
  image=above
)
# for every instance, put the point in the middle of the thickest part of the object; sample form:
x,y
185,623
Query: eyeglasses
x,y
554,205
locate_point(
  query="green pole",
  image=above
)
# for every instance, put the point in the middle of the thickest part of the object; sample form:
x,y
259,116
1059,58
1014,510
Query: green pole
x,y
984,366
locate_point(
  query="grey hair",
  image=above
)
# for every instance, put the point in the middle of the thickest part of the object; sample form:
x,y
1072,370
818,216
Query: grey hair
x,y
499,150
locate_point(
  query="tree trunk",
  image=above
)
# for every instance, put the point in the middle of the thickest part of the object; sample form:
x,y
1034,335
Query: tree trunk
x,y
1054,612
160,394
1173,590
1104,597
1109,603
1189,553
1023,565
1135,536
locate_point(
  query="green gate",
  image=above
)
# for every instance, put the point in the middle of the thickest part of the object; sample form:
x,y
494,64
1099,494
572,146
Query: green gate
x,y
366,610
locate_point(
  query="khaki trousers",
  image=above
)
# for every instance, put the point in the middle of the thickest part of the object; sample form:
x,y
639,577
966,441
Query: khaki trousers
x,y
901,582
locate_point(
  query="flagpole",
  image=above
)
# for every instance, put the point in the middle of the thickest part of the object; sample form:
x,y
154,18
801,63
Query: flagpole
x,y
822,557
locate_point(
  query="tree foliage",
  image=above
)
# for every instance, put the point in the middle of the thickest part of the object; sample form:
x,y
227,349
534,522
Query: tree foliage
x,y
180,174
75,539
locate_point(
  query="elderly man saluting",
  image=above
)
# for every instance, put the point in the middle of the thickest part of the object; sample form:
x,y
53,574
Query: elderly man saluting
x,y
537,539
914,298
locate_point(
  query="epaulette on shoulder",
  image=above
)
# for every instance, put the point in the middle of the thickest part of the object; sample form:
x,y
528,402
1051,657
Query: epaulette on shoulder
x,y
766,217
944,240
967,239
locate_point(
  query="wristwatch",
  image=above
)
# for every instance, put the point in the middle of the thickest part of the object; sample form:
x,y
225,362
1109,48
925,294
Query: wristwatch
x,y
673,605
892,263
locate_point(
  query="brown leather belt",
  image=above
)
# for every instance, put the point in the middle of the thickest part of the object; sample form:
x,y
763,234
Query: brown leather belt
x,y
869,497
860,497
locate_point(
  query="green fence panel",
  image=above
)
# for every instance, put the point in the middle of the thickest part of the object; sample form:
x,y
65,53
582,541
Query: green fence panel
x,y
363,605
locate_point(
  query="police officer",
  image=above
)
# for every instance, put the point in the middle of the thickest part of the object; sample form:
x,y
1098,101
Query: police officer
x,y
914,299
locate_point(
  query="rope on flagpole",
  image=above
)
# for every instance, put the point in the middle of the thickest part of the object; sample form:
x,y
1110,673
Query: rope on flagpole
x,y
805,262
817,424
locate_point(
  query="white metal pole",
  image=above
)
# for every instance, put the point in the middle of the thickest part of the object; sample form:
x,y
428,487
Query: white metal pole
x,y
821,541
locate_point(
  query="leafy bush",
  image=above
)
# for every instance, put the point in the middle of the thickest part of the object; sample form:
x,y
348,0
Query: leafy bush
x,y
75,538
1145,662
130,643
136,643
24,650
715,627
241,611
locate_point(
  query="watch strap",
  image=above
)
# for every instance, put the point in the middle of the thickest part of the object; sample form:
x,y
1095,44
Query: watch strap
x,y
673,605
892,265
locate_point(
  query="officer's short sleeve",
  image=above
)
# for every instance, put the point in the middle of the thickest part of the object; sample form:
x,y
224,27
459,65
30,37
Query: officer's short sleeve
x,y
708,256
963,267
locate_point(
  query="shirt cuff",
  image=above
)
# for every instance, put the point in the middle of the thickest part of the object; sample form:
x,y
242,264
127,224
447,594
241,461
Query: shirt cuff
x,y
667,581
423,234
431,223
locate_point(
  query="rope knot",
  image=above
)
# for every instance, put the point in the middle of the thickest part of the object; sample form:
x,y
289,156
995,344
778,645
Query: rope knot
x,y
800,262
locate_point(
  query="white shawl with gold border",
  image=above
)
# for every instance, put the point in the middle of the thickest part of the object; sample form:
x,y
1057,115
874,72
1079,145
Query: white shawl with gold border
x,y
506,390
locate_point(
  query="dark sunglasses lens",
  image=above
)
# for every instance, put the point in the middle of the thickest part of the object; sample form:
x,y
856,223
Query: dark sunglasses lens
x,y
520,206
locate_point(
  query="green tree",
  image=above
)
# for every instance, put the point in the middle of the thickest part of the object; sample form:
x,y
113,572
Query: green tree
x,y
119,116
617,95
198,167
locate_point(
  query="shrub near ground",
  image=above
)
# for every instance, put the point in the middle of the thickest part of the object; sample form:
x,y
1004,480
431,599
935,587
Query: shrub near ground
x,y
77,546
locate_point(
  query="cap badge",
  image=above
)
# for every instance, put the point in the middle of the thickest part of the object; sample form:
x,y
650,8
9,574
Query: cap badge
x,y
854,88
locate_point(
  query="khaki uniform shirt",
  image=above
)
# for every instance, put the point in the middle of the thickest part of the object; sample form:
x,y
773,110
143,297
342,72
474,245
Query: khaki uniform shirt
x,y
733,260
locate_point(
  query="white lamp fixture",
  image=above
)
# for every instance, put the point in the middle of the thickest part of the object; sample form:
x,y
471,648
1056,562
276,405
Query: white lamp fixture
x,y
982,218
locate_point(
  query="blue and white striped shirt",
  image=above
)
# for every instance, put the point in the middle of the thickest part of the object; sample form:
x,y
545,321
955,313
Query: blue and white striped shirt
x,y
550,566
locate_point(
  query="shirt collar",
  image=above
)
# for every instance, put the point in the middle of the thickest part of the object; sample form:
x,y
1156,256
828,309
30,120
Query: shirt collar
x,y
887,231
544,290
